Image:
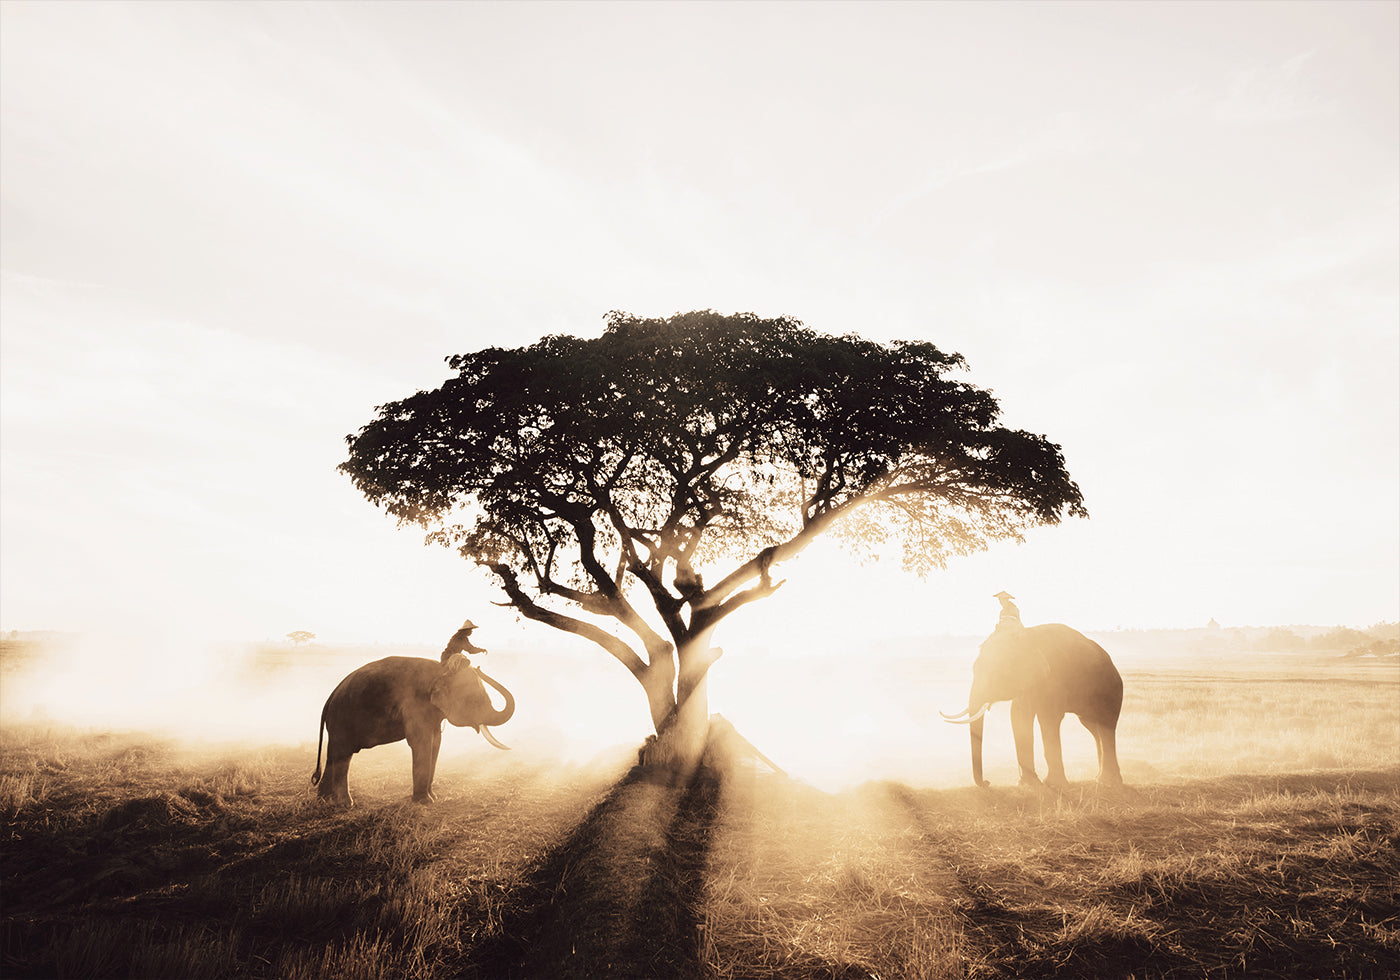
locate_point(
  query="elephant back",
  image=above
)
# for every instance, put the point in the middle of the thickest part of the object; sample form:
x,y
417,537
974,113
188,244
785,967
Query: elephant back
x,y
1084,664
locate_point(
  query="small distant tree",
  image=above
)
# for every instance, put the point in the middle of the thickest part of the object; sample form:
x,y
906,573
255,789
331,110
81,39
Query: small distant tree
x,y
298,637
638,488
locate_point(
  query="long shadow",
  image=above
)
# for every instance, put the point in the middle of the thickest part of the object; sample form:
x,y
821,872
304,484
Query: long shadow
x,y
668,945
1011,935
1014,934
618,898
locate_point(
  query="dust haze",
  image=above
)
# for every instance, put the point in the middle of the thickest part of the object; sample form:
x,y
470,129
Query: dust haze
x,y
226,695
1195,701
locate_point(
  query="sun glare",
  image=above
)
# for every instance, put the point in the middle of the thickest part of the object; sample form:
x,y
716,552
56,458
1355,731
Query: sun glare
x,y
841,719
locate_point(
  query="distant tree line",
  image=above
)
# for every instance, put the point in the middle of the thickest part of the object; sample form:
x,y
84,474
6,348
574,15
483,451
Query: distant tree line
x,y
1381,639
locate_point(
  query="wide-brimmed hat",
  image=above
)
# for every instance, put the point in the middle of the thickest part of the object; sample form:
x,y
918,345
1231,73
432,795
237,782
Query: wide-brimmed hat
x,y
1003,595
467,624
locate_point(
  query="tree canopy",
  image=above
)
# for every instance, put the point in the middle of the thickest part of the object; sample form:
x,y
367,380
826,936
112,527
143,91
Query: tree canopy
x,y
669,463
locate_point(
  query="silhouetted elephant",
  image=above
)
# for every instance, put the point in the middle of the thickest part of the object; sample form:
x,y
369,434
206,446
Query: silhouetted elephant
x,y
403,698
1045,672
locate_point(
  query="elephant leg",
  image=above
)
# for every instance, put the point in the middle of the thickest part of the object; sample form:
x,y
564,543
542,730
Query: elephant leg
x,y
1054,753
1096,730
1023,730
335,784
432,762
425,747
1106,741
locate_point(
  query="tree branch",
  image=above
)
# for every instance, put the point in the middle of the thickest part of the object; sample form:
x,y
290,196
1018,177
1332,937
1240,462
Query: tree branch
x,y
740,599
530,610
667,605
758,565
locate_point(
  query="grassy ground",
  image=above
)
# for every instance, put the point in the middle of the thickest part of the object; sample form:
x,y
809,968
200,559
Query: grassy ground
x,y
1238,876
123,858
125,855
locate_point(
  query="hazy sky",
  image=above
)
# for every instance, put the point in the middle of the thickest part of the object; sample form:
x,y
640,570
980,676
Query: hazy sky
x,y
1166,235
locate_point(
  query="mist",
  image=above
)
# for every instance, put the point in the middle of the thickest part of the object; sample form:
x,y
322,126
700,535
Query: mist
x,y
832,714
206,694
829,719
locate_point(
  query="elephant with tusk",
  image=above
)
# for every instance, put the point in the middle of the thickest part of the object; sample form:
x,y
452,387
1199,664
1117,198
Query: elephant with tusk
x,y
404,698
1045,672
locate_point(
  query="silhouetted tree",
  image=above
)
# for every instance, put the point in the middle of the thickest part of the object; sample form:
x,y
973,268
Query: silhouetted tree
x,y
599,479
298,637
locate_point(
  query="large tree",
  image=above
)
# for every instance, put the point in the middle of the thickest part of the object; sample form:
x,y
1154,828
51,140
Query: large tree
x,y
637,488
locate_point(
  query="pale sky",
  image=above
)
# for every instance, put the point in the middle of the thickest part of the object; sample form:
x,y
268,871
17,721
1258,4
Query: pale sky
x,y
1166,235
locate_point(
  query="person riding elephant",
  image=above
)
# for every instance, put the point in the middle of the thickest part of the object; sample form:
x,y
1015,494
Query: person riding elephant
x,y
461,641
1010,617
406,698
1046,672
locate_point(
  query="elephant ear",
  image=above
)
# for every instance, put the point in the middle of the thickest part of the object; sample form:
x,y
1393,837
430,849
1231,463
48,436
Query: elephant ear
x,y
1009,662
1035,662
444,691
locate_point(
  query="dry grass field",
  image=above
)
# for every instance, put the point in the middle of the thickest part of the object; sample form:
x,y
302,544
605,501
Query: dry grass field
x,y
1260,837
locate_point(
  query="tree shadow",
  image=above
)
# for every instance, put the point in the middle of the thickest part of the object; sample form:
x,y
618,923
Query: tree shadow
x,y
619,897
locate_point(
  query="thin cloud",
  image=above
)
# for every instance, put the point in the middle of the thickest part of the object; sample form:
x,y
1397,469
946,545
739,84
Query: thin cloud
x,y
1278,93
1062,136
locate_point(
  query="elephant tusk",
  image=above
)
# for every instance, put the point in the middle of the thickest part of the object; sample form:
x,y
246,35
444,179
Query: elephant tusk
x,y
971,718
955,717
486,734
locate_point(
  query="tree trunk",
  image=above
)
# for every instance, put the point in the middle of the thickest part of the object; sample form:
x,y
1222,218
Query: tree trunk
x,y
657,681
681,735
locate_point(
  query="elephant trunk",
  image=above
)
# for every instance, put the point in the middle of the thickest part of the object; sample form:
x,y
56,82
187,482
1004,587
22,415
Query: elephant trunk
x,y
975,736
504,714
978,704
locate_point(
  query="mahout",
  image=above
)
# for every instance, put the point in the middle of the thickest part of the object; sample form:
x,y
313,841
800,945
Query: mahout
x,y
404,698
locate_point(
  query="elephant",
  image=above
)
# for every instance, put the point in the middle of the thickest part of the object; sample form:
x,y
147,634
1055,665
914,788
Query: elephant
x,y
403,698
1045,672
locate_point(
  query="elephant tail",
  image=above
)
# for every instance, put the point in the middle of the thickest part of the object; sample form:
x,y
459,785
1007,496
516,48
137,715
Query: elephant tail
x,y
320,734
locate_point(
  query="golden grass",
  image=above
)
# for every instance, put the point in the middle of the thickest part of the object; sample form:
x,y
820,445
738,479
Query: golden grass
x,y
801,884
1252,853
1273,715
1195,880
126,856
146,950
